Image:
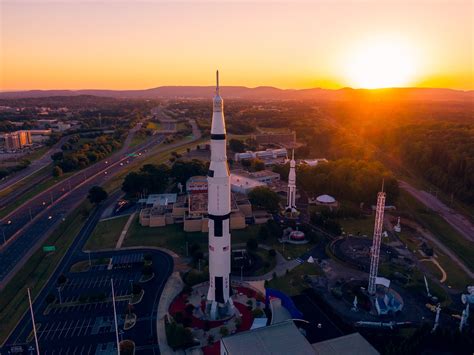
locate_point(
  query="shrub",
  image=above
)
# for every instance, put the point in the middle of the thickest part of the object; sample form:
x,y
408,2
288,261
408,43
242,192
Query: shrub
x,y
272,253
224,331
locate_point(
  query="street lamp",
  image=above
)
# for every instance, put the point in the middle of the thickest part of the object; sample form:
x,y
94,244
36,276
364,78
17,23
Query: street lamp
x,y
59,291
241,272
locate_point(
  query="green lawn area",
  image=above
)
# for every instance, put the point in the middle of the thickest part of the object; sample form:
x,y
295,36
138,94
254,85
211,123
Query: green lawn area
x,y
269,262
173,237
457,278
292,251
24,182
106,234
36,190
137,140
35,273
293,283
38,153
358,226
439,227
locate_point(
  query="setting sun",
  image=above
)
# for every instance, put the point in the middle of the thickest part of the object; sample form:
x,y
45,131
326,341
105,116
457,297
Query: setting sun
x,y
381,64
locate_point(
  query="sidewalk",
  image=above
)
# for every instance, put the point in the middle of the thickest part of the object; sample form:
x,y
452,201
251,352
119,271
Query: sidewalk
x,y
280,269
125,230
172,288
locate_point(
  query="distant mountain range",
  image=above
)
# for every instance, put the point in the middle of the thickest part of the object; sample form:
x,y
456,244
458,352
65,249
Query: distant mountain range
x,y
258,93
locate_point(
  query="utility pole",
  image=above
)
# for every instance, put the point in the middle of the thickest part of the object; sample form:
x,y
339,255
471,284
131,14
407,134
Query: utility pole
x,y
115,317
33,320
59,292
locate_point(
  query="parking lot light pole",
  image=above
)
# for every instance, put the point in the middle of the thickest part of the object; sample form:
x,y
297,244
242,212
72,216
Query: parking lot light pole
x,y
89,254
59,291
33,321
131,286
115,317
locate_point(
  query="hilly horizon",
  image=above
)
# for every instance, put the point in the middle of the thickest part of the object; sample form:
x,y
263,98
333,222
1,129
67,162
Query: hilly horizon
x,y
256,93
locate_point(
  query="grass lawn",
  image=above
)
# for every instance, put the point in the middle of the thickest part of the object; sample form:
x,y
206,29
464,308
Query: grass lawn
x,y
106,234
439,227
173,237
35,273
293,283
457,278
292,251
434,270
358,226
137,140
32,193
24,182
270,262
38,153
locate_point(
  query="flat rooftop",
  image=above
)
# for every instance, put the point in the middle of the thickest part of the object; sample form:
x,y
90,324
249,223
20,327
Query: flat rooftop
x,y
279,339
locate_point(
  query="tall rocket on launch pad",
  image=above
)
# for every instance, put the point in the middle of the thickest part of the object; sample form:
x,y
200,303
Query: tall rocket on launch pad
x,y
218,180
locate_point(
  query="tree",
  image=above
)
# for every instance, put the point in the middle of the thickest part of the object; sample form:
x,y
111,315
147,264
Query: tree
x,y
181,171
224,331
178,337
265,198
97,194
237,145
257,165
252,244
57,171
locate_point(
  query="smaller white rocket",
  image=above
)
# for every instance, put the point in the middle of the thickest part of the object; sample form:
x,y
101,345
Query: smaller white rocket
x,y
291,194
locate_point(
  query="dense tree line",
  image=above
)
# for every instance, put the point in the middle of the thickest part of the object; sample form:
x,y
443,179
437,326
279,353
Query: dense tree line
x,y
443,154
351,180
156,178
77,156
149,179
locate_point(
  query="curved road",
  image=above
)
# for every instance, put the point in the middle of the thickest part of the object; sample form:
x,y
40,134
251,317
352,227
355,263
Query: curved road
x,y
30,224
144,333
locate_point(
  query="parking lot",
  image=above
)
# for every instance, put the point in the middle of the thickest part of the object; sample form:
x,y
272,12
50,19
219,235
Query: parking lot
x,y
81,320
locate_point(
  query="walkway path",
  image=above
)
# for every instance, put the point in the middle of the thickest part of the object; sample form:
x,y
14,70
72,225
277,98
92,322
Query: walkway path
x,y
125,230
173,287
444,276
280,269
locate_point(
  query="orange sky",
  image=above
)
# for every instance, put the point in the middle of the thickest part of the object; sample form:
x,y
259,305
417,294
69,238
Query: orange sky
x,y
130,44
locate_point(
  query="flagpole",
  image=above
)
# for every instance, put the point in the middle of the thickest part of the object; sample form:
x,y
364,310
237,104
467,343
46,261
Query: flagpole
x,y
34,324
115,317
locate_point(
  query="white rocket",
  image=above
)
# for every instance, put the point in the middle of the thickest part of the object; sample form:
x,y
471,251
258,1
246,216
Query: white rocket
x,y
219,212
291,195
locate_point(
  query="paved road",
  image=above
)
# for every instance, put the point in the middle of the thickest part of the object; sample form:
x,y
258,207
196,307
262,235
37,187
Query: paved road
x,y
31,222
455,219
35,166
88,328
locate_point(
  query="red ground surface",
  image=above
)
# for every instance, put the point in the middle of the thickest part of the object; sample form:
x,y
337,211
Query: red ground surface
x,y
179,305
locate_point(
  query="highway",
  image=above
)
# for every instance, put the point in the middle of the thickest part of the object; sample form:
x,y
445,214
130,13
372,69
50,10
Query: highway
x,y
25,228
32,222
455,219
34,167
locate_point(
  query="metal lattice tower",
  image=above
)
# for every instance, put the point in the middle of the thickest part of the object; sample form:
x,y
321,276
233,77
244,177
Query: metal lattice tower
x,y
375,250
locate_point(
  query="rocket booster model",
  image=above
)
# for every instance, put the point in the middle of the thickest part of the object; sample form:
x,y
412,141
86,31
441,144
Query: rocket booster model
x,y
291,198
219,207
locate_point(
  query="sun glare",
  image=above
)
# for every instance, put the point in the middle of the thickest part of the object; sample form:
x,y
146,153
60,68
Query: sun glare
x,y
381,64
